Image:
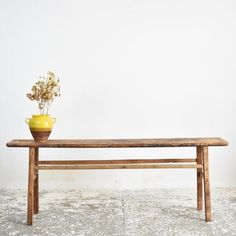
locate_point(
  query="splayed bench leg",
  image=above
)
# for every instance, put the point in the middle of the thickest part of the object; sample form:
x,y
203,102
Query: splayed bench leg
x,y
199,179
31,177
36,182
207,194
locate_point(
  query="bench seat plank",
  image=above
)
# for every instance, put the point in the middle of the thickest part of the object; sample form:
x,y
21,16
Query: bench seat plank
x,y
119,143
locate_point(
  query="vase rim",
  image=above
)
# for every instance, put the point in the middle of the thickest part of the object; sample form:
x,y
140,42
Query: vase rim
x,y
37,115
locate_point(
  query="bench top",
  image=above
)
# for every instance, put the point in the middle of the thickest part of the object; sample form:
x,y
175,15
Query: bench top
x,y
119,143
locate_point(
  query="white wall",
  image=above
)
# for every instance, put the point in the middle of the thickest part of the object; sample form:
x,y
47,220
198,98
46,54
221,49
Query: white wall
x,y
128,69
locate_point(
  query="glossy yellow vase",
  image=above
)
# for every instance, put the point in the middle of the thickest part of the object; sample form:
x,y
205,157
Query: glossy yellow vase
x,y
40,126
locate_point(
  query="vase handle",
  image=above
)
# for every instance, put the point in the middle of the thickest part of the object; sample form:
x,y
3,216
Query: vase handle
x,y
27,120
53,120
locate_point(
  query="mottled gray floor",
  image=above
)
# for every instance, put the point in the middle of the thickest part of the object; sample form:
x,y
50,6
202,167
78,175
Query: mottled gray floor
x,y
144,212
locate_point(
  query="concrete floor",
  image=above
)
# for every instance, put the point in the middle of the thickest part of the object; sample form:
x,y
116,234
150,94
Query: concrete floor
x,y
144,212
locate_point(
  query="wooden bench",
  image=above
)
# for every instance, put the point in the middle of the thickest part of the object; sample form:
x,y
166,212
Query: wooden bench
x,y
200,162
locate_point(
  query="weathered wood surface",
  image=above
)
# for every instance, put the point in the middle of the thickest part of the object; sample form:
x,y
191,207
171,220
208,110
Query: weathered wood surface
x,y
207,193
36,182
200,163
119,143
116,166
121,161
199,178
31,176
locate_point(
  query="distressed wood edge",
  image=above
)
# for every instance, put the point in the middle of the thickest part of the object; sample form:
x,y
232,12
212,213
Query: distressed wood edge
x,y
31,179
207,190
31,143
199,179
118,166
117,161
36,183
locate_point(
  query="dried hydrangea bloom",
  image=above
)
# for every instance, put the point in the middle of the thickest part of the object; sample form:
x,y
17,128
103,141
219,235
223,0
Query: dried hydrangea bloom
x,y
44,91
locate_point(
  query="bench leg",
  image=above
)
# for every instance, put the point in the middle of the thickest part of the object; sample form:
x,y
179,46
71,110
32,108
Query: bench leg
x,y
207,195
36,183
31,176
199,179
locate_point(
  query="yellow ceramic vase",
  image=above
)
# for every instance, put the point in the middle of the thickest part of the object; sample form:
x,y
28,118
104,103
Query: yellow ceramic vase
x,y
40,126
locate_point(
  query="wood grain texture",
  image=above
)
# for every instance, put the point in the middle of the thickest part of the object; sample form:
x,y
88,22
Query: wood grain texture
x,y
207,195
36,182
124,161
120,143
31,186
199,178
116,166
200,163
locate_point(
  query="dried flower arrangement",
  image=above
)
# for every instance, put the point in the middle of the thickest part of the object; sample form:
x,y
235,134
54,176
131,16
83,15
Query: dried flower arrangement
x,y
44,91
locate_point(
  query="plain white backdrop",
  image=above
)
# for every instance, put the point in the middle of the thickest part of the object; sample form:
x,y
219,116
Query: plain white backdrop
x,y
128,69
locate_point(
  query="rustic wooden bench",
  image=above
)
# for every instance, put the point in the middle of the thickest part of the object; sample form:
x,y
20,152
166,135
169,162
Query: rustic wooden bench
x,y
200,162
